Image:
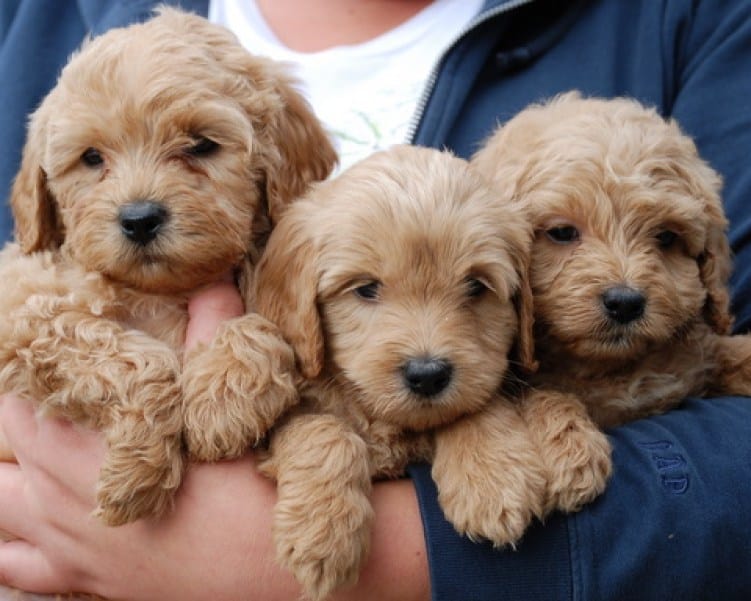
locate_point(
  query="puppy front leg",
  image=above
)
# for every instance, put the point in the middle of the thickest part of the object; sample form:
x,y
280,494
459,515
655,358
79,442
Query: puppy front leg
x,y
236,388
575,452
490,477
143,467
122,382
323,515
734,365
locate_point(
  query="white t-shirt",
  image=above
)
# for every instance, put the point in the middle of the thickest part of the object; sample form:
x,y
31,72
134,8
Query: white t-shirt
x,y
365,94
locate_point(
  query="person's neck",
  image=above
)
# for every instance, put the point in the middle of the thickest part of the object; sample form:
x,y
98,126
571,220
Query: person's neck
x,y
313,26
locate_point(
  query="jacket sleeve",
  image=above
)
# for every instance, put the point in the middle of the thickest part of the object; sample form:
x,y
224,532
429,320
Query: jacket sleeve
x,y
672,524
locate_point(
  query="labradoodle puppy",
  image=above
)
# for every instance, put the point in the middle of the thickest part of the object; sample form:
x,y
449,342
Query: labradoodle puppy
x,y
401,287
155,166
629,273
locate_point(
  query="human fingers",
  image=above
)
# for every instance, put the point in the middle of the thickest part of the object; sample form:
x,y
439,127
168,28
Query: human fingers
x,y
17,424
208,308
24,566
60,450
14,413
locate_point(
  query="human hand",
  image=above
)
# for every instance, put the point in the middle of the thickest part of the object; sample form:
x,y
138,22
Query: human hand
x,y
208,308
48,499
215,544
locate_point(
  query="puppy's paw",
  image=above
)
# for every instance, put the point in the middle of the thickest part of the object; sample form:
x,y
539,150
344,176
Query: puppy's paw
x,y
323,547
219,429
500,522
497,505
574,451
579,466
491,489
236,389
323,514
117,506
133,492
734,364
142,471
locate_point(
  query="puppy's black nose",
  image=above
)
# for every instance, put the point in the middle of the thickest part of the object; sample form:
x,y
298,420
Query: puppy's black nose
x,y
623,304
141,221
427,376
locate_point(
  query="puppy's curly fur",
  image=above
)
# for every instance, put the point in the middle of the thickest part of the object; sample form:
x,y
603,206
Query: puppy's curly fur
x,y
155,166
629,274
400,285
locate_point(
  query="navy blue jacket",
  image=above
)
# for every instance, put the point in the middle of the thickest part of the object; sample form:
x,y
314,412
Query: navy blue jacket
x,y
675,522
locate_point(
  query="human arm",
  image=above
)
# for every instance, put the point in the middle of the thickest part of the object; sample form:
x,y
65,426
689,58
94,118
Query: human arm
x,y
216,544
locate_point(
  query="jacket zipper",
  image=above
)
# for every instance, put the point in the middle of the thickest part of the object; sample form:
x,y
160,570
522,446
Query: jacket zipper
x,y
433,77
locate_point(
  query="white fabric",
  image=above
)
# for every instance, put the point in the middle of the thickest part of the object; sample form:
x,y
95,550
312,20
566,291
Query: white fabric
x,y
365,94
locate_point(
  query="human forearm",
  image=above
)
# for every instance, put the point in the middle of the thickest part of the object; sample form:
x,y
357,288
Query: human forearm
x,y
397,567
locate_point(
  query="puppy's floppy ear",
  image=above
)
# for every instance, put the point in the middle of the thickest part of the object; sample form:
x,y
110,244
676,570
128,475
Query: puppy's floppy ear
x,y
37,222
504,176
525,342
715,267
290,141
286,290
304,151
714,262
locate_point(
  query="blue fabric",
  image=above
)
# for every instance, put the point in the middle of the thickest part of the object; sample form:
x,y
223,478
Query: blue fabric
x,y
672,524
675,522
460,570
36,39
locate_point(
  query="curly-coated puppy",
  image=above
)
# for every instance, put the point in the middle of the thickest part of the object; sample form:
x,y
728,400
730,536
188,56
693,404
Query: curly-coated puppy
x,y
154,167
629,274
400,285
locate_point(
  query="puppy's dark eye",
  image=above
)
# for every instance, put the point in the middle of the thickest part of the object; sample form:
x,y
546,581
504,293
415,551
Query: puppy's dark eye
x,y
563,234
369,291
666,239
91,157
202,147
475,287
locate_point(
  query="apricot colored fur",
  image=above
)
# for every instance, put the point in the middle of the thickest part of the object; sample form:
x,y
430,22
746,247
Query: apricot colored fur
x,y
94,323
648,216
445,264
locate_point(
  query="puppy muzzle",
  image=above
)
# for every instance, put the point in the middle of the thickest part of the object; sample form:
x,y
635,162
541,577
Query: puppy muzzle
x,y
427,376
141,221
623,304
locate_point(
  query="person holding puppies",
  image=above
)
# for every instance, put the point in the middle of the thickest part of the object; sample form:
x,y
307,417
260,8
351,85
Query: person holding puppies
x,y
674,520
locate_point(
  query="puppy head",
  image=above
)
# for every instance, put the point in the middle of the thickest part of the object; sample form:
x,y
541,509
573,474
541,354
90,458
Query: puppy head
x,y
405,277
162,154
630,245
